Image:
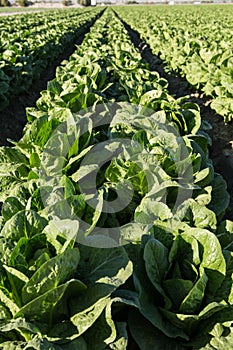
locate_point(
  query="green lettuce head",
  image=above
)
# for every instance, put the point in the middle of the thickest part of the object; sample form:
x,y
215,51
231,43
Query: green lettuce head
x,y
182,286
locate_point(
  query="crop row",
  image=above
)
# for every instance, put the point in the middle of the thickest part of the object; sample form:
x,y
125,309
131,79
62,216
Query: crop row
x,y
196,43
34,43
111,226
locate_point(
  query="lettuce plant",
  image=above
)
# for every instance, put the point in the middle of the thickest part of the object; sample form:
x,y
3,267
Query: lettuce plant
x,y
183,287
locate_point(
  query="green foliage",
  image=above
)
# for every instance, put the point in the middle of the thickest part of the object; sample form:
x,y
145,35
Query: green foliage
x,y
41,39
192,47
169,283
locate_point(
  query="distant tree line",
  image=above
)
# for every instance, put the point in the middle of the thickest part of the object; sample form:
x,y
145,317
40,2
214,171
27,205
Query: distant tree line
x,y
4,3
84,2
19,2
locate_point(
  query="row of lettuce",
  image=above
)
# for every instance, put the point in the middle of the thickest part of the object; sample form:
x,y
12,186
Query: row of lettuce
x,y
153,274
28,45
194,42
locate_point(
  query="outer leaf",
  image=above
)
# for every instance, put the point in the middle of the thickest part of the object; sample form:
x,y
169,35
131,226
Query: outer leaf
x,y
102,332
212,260
220,196
225,292
43,307
122,338
189,323
65,230
10,207
110,266
148,308
156,263
8,303
177,289
149,337
25,223
192,303
84,319
51,274
21,324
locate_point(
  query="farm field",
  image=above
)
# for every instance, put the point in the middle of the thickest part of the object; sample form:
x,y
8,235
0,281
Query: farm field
x,y
116,227
197,43
26,52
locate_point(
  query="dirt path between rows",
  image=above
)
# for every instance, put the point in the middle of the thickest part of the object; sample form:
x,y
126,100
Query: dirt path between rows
x,y
221,150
